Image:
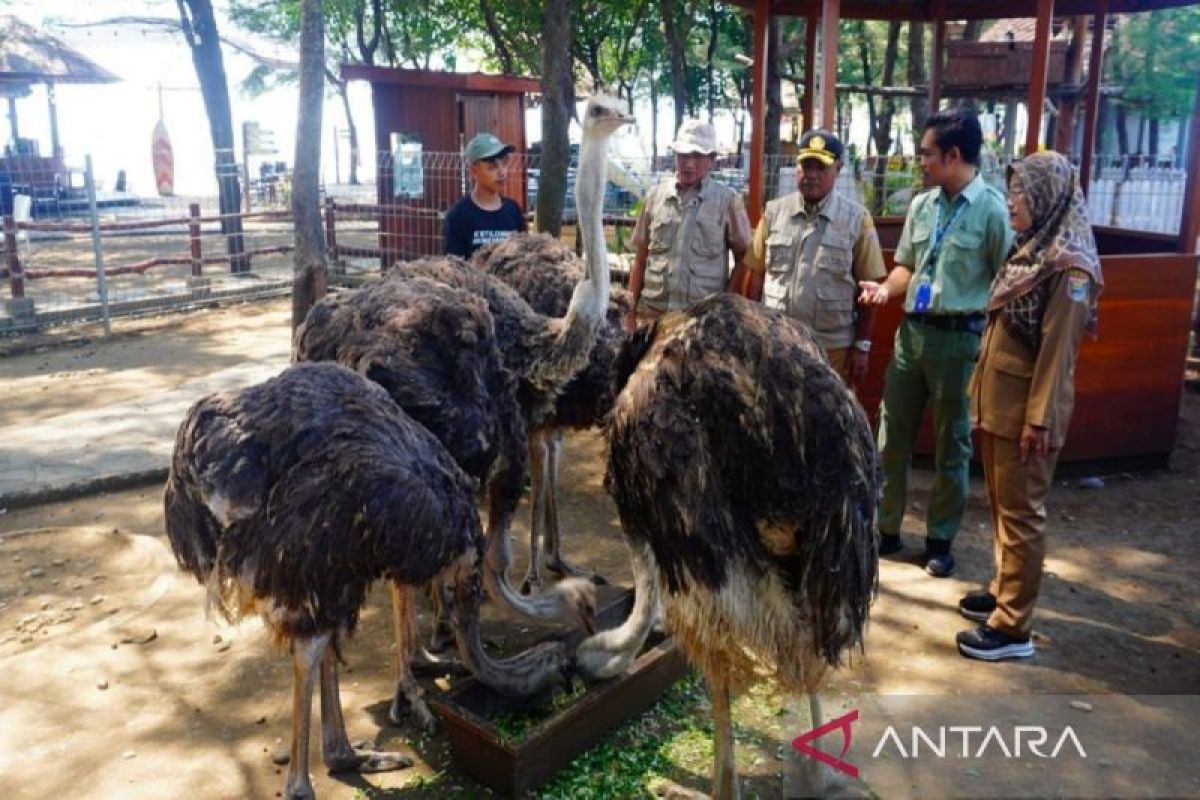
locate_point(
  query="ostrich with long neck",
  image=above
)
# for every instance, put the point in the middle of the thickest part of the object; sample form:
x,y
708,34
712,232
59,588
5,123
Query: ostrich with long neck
x,y
545,352
289,498
544,271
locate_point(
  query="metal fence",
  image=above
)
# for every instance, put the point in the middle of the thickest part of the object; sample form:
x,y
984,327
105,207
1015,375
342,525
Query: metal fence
x,y
65,261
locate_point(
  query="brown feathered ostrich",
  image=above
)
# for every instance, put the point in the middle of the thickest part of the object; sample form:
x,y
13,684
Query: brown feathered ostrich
x,y
746,480
433,348
544,271
289,498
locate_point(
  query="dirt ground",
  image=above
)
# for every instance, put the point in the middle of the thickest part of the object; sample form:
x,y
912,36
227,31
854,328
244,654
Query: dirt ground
x,y
116,685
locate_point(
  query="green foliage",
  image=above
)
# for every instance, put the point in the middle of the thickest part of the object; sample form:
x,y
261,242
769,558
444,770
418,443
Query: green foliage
x,y
1153,57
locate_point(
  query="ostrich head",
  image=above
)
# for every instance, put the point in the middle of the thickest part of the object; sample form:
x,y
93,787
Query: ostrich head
x,y
603,117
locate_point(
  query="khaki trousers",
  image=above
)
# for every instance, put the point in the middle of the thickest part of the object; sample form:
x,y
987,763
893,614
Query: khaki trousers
x,y
1017,495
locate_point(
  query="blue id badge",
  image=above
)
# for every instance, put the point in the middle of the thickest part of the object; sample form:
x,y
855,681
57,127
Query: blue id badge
x,y
922,298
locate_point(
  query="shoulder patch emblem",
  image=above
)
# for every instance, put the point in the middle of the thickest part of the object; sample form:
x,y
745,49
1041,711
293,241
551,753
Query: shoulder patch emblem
x,y
1077,288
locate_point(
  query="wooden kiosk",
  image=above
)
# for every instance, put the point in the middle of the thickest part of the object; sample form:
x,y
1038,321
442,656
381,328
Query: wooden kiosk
x,y
422,121
1128,381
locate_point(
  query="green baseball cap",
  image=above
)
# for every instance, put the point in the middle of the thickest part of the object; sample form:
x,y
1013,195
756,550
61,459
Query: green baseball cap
x,y
484,146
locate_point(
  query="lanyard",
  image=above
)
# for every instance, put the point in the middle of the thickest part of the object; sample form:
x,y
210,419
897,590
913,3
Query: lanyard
x,y
939,233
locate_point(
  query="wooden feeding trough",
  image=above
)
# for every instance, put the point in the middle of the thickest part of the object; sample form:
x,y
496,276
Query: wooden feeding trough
x,y
513,746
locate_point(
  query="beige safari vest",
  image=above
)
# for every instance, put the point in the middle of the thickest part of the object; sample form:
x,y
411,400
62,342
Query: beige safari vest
x,y
809,270
687,257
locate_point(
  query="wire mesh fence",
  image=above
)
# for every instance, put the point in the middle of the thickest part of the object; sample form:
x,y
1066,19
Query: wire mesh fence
x,y
168,252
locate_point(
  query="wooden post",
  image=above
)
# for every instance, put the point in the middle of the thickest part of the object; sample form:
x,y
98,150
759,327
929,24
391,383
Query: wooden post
x,y
55,144
1064,127
810,72
937,58
831,15
758,104
1037,76
1092,99
331,231
194,236
16,278
1189,226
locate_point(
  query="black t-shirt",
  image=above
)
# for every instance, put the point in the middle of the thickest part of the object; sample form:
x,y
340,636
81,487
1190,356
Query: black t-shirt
x,y
469,227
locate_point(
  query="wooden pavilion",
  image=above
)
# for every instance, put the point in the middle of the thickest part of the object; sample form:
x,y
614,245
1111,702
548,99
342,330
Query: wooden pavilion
x,y
1129,381
28,57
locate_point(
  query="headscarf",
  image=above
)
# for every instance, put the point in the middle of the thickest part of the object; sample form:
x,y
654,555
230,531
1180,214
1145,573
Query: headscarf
x,y
1059,239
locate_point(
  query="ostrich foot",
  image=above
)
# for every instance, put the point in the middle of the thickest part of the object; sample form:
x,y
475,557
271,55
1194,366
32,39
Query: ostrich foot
x,y
408,702
565,569
427,664
363,757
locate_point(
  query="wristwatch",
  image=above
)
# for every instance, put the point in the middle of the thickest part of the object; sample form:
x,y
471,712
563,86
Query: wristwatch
x,y
863,345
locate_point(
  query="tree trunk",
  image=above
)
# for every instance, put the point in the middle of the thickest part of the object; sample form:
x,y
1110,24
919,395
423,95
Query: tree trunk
x,y
653,118
882,123
557,100
714,28
344,94
918,77
1122,129
676,42
1153,144
200,31
308,278
774,113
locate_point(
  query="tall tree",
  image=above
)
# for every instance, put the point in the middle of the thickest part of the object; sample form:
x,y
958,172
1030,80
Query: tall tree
x,y
676,26
199,28
309,275
918,78
558,101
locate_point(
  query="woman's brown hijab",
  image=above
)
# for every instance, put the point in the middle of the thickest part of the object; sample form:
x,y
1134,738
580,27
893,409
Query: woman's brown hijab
x,y
1059,239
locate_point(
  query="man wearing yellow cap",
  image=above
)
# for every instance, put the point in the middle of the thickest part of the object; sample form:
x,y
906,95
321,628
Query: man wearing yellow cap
x,y
689,226
809,251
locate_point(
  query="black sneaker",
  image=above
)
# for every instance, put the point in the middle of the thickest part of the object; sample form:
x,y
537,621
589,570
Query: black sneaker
x,y
940,565
977,605
988,644
889,544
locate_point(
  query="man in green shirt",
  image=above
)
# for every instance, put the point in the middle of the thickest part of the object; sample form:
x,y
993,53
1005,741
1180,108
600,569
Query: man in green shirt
x,y
955,239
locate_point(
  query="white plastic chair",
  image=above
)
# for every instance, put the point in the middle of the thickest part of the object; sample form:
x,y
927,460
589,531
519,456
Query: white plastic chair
x,y
22,212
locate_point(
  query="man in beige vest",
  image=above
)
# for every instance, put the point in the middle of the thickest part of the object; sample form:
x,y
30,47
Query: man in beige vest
x,y
809,251
688,227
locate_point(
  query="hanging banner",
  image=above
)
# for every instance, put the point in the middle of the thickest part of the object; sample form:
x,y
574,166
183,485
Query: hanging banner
x,y
164,161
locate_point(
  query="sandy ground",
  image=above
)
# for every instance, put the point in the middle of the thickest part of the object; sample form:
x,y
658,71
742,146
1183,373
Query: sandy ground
x,y
116,685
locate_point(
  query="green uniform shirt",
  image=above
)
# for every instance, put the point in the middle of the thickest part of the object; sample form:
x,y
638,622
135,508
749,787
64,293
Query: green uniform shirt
x,y
973,249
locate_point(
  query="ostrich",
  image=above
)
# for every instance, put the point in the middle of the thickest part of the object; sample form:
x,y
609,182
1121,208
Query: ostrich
x,y
543,271
289,498
746,479
433,349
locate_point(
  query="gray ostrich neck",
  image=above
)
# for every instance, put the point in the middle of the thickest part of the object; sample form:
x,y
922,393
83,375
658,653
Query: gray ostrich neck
x,y
567,353
589,200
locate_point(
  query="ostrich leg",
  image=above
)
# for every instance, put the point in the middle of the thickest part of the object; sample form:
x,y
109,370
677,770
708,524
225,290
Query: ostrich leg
x,y
725,782
554,559
409,695
306,652
541,483
339,754
443,634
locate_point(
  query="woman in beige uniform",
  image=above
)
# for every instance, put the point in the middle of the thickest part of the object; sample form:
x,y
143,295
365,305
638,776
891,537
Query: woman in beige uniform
x,y
1022,391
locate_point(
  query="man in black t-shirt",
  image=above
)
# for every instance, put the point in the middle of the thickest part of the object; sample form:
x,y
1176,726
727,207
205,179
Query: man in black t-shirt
x,y
483,216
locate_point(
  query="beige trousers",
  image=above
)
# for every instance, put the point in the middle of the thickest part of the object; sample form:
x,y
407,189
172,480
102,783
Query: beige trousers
x,y
1017,495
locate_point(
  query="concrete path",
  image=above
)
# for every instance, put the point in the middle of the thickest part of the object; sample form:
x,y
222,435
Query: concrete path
x,y
109,447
